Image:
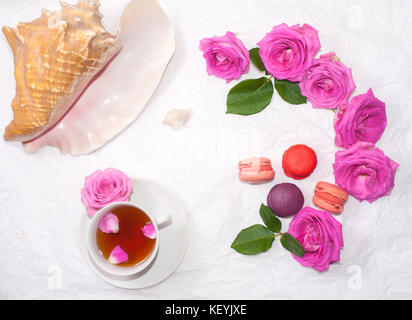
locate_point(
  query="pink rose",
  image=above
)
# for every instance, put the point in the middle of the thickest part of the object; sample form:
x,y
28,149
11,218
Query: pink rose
x,y
320,235
104,187
362,119
328,83
226,56
287,52
364,171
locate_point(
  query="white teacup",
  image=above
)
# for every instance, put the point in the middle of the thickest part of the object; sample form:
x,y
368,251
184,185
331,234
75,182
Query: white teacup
x,y
97,257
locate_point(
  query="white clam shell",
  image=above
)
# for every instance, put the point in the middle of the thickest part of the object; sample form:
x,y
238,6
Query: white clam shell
x,y
119,95
176,118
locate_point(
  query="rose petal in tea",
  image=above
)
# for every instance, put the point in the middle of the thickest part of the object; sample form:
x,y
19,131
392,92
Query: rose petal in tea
x,y
118,256
109,223
149,231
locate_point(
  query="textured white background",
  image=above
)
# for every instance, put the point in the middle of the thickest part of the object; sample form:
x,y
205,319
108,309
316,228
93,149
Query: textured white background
x,y
40,205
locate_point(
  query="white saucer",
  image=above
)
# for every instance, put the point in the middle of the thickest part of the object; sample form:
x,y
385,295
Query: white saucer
x,y
173,238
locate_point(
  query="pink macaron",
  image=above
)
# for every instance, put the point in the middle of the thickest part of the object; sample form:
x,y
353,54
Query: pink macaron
x,y
330,197
256,170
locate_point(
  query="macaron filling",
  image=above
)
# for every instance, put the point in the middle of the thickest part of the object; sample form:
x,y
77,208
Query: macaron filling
x,y
294,175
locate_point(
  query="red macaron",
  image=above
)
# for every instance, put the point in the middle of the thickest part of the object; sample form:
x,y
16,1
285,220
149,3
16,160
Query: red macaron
x,y
299,161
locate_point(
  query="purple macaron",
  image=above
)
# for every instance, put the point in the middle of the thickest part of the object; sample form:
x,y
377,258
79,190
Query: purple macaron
x,y
285,199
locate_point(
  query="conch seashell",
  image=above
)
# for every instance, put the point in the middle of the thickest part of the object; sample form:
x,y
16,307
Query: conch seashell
x,y
56,57
120,93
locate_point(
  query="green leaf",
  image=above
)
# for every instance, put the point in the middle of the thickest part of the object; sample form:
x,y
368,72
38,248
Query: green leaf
x,y
256,59
250,96
253,240
292,245
289,91
272,222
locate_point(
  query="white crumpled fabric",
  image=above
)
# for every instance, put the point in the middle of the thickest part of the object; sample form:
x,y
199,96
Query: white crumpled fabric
x,y
40,205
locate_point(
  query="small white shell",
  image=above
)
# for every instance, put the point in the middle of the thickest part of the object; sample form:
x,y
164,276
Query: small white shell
x,y
176,118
